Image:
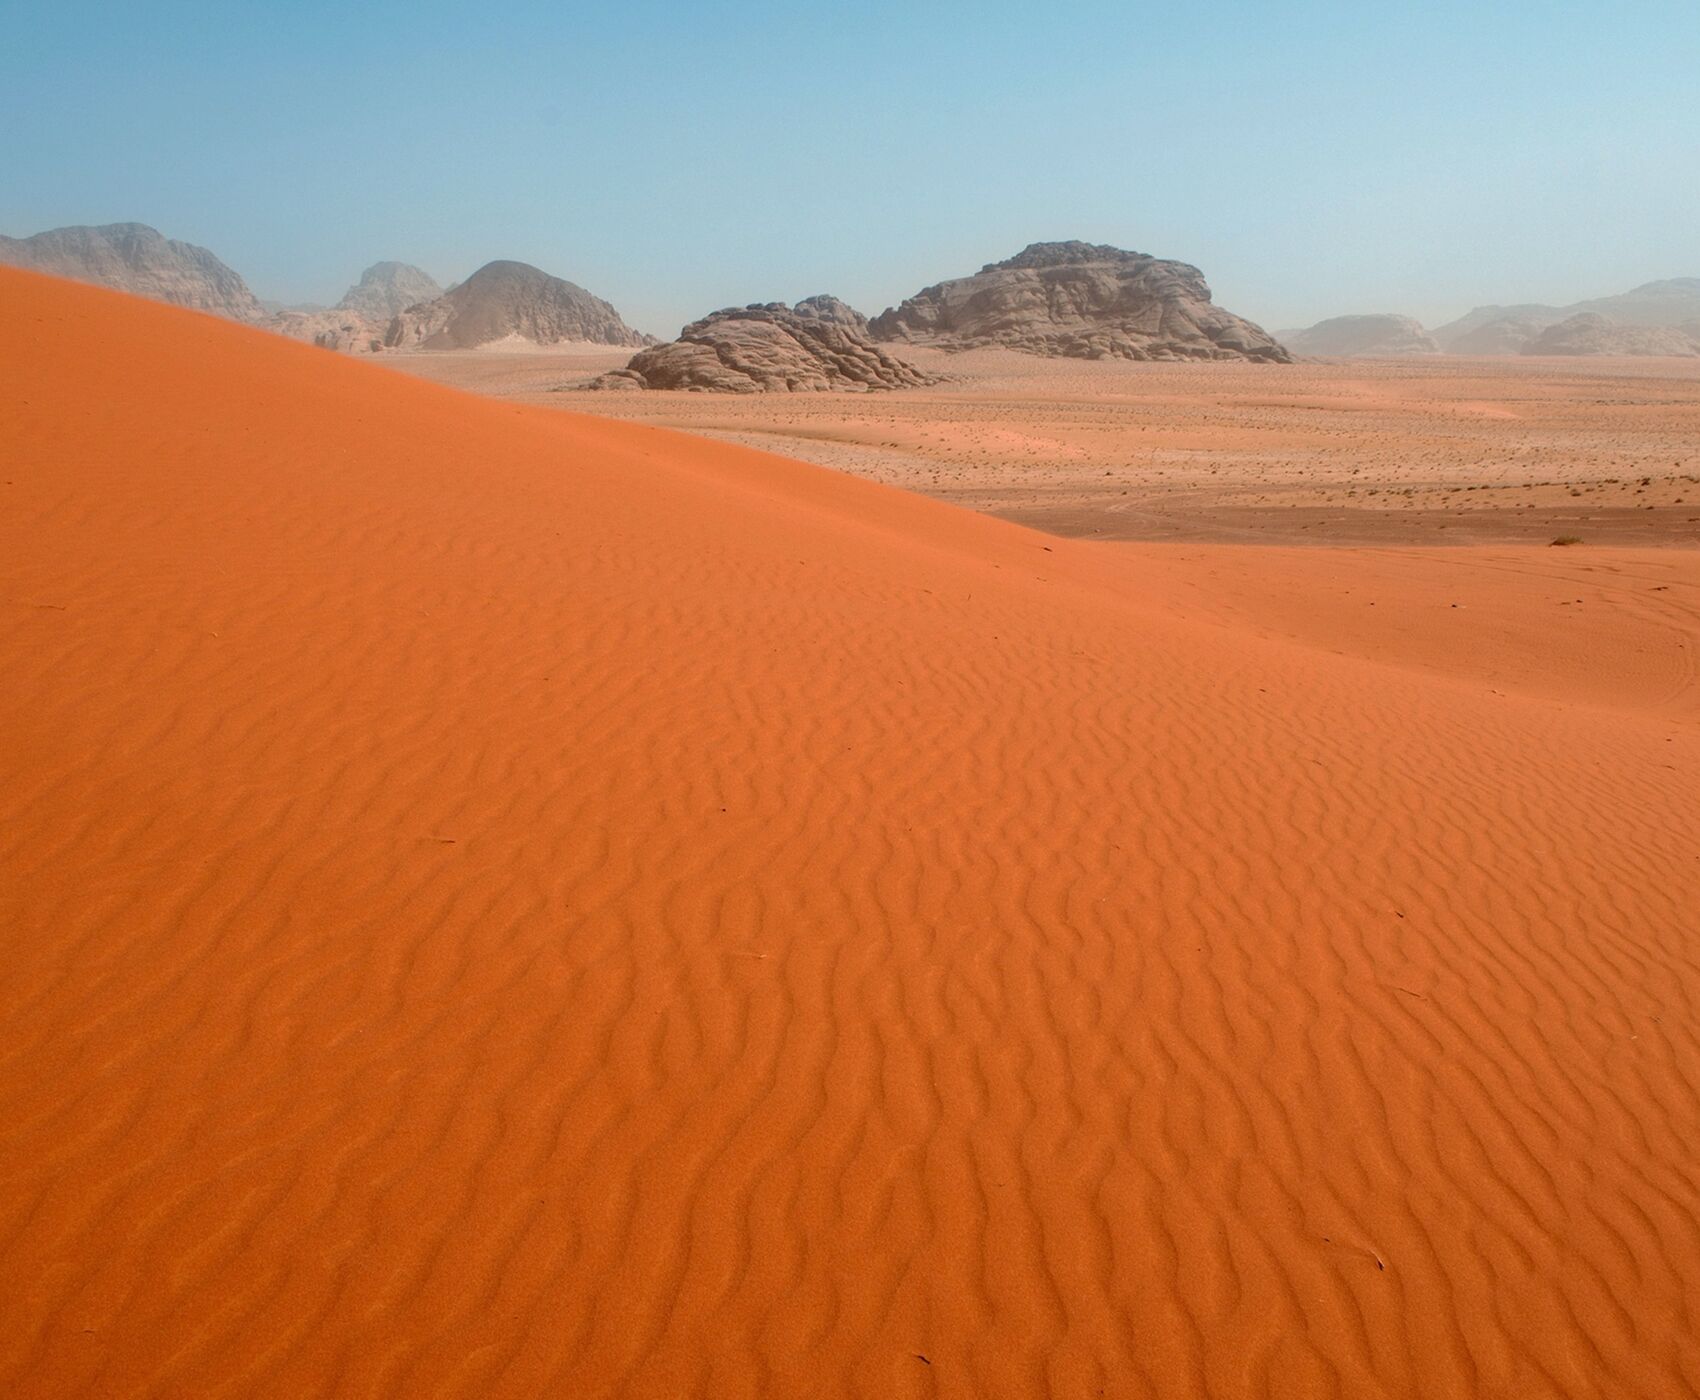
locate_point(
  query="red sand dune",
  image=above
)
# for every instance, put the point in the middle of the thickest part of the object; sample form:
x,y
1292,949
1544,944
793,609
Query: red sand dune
x,y
504,903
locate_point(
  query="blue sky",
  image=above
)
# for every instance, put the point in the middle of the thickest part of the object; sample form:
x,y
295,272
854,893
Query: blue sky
x,y
1313,158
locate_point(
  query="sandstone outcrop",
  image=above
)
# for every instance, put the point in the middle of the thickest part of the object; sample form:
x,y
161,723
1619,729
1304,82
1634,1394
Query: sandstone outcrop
x,y
509,301
817,344
140,260
1082,301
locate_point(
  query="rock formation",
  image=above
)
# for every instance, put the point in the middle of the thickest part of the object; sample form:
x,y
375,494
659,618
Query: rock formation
x,y
137,259
1667,303
1657,304
816,344
332,330
833,311
1505,336
509,301
1592,334
357,323
1082,301
386,289
1362,337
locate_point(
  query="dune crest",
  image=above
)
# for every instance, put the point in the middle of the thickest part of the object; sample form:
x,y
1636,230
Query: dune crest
x,y
503,902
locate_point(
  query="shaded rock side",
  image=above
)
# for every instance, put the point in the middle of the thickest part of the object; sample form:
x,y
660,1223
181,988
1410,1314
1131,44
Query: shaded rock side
x,y
1080,301
140,260
504,300
818,344
386,289
1593,334
1363,337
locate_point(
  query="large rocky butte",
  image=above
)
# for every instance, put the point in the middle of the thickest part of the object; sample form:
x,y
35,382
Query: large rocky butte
x,y
1592,334
510,300
1362,337
386,289
137,259
1082,301
818,344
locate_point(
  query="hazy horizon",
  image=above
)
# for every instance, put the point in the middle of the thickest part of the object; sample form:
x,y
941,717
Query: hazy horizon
x,y
674,159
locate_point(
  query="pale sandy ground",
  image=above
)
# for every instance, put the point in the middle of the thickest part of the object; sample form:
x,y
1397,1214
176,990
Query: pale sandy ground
x,y
506,903
1348,452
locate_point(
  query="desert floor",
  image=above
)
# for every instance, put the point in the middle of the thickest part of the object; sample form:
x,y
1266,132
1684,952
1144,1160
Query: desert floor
x,y
503,902
1440,451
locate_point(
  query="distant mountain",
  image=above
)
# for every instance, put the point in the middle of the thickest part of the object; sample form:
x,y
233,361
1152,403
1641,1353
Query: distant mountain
x,y
1080,301
1667,303
509,301
137,259
1362,337
817,344
1590,333
386,289
1505,335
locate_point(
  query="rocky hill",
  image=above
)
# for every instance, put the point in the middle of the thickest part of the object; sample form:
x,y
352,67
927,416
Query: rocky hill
x,y
1592,334
1082,301
1505,335
1670,302
509,301
386,289
1666,303
137,259
817,344
1362,337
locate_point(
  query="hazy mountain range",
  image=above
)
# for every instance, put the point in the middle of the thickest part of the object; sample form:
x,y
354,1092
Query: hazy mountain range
x,y
1656,318
1062,299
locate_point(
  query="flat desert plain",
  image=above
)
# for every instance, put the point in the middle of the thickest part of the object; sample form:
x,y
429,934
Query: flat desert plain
x,y
1365,452
500,901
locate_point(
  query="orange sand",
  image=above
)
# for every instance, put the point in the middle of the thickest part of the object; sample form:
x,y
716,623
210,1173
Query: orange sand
x,y
499,902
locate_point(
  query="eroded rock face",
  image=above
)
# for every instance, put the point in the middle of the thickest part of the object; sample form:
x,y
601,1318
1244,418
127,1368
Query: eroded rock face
x,y
1082,301
816,345
1593,334
1363,337
386,289
509,300
137,259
